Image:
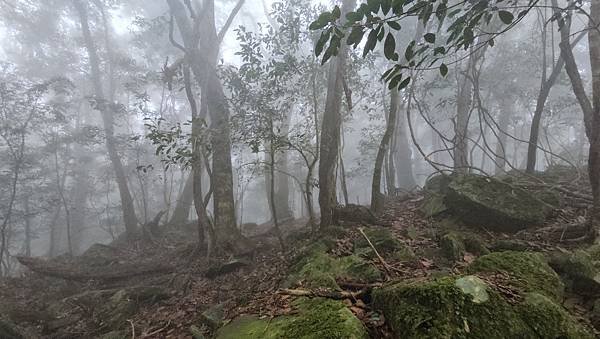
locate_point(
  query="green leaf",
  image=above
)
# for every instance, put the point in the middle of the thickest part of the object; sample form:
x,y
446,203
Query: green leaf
x,y
389,47
404,83
506,17
394,25
394,82
439,50
430,38
355,36
371,42
381,33
324,19
408,53
336,12
386,5
322,41
354,16
398,6
443,69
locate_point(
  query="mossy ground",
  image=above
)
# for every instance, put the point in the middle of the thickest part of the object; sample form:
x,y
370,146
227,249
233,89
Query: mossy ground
x,y
320,270
315,318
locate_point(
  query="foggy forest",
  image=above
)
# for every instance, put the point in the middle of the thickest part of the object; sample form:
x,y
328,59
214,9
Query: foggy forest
x,y
299,169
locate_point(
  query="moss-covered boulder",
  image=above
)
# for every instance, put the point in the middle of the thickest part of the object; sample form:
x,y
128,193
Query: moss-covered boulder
x,y
466,307
528,271
578,272
386,244
498,206
435,191
315,318
452,246
213,316
548,319
319,269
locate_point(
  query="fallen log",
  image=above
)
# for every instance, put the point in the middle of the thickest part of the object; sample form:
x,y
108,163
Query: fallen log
x,y
56,269
322,293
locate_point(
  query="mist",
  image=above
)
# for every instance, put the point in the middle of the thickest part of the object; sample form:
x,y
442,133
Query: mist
x,y
202,168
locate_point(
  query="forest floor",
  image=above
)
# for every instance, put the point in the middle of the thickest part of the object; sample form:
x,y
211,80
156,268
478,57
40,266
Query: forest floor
x,y
79,297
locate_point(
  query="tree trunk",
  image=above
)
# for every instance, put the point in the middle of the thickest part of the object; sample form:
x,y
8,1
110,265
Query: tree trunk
x,y
105,108
377,198
403,154
330,131
203,64
461,126
505,116
594,130
184,202
591,109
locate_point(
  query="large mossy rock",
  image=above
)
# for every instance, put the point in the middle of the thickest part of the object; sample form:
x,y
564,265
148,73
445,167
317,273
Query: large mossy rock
x,y
435,190
317,269
315,319
527,271
467,307
483,201
578,272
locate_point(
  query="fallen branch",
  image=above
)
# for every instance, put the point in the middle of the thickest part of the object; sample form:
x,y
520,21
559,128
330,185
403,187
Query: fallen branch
x,y
323,293
386,266
109,273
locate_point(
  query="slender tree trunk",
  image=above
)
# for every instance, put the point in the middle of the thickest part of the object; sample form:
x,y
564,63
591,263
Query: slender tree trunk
x,y
377,198
594,133
403,154
590,108
184,202
503,121
27,226
330,131
461,126
106,110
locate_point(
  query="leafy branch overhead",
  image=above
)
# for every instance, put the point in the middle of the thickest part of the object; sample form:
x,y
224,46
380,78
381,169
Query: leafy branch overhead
x,y
449,28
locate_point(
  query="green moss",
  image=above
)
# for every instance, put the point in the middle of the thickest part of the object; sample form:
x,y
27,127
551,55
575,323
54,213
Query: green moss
x,y
550,320
528,270
386,244
475,245
319,269
452,246
440,309
578,271
499,206
315,318
510,245
8,330
468,308
594,251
